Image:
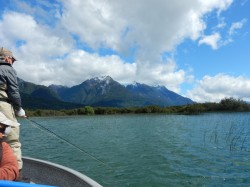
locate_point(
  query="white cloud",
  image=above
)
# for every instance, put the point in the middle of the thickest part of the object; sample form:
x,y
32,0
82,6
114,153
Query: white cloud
x,y
152,26
211,40
220,5
37,46
235,26
36,41
213,89
233,31
94,22
46,49
216,41
161,74
81,65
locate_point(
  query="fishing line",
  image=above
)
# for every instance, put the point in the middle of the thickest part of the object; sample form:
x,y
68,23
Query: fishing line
x,y
41,127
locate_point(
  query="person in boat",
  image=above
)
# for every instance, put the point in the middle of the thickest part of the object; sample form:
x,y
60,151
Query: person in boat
x,y
10,100
8,161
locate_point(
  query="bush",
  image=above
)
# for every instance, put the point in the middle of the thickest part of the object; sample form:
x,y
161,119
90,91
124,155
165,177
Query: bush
x,y
231,104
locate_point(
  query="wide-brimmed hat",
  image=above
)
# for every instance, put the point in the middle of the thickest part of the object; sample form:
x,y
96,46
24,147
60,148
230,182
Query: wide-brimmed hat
x,y
4,120
5,52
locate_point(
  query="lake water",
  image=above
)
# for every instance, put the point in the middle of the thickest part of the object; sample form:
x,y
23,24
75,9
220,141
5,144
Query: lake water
x,y
147,150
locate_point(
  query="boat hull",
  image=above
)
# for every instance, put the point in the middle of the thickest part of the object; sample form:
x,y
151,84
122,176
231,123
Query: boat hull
x,y
48,173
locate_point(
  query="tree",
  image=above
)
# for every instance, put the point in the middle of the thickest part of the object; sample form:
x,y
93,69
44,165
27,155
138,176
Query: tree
x,y
231,104
89,110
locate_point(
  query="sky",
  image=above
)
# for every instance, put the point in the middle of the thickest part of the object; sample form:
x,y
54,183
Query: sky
x,y
196,48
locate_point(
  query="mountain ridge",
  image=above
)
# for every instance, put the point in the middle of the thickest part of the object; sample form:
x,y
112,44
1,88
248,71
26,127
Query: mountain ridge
x,y
101,92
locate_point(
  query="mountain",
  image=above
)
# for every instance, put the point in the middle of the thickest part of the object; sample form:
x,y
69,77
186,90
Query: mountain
x,y
36,90
98,91
102,91
159,95
41,97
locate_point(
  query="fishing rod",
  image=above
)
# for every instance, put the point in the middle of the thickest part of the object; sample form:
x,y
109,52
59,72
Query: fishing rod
x,y
41,127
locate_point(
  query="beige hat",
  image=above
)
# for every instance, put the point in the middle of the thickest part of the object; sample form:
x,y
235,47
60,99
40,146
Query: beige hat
x,y
5,52
4,120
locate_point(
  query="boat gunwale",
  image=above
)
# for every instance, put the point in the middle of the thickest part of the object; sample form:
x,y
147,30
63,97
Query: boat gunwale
x,y
77,174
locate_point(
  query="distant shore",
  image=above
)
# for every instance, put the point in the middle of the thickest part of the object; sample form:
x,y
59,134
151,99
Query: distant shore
x,y
225,105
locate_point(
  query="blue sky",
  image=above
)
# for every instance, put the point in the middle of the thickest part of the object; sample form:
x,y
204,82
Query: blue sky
x,y
196,48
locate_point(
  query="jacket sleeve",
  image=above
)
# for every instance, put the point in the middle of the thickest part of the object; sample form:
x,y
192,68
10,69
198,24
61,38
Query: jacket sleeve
x,y
13,89
9,166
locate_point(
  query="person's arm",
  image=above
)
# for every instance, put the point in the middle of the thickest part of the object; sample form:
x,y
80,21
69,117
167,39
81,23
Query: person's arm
x,y
9,166
13,89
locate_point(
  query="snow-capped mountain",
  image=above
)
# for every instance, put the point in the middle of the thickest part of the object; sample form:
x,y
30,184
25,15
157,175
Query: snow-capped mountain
x,y
106,92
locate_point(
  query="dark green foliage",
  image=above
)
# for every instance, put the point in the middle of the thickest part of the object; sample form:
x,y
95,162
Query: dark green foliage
x,y
45,113
227,104
231,104
87,110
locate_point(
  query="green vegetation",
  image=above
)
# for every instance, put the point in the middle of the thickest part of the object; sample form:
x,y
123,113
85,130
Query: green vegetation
x,y
225,105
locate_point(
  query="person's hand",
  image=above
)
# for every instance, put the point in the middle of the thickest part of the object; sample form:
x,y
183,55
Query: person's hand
x,y
21,113
1,136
